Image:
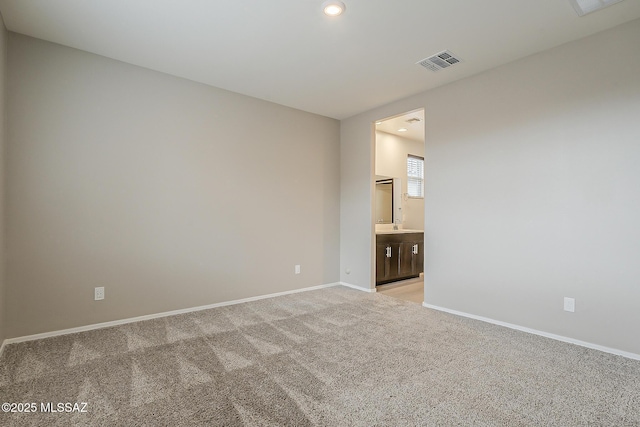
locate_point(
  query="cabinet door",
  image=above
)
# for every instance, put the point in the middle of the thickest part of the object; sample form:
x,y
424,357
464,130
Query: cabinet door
x,y
387,262
394,261
406,259
418,258
382,269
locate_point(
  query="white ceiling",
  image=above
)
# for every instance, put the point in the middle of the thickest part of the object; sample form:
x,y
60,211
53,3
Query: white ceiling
x,y
288,52
414,129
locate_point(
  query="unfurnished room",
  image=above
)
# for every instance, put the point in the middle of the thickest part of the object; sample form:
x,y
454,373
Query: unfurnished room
x,y
319,213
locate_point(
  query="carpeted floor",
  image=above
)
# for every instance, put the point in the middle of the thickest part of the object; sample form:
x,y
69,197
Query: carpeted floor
x,y
335,357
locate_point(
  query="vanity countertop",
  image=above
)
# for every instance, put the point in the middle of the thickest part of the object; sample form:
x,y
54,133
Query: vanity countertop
x,y
404,230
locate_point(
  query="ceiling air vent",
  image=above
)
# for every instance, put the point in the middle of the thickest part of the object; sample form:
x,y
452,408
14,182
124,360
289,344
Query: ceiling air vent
x,y
413,120
439,61
583,7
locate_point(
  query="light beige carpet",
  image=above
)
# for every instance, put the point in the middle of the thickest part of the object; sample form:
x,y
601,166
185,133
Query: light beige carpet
x,y
335,357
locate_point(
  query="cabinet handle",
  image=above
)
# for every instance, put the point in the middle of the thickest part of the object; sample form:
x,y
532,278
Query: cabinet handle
x,y
388,251
415,249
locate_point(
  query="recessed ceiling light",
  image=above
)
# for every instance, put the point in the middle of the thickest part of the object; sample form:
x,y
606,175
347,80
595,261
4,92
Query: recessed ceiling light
x,y
378,123
402,130
333,7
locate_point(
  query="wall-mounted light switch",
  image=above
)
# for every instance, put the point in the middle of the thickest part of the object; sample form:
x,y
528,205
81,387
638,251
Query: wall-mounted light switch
x,y
569,304
297,270
98,293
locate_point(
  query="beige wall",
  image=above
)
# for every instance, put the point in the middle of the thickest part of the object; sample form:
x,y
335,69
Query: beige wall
x,y
391,160
3,55
532,194
169,193
356,203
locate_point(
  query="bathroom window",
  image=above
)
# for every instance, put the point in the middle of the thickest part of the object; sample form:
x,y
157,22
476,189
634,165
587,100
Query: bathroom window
x,y
415,176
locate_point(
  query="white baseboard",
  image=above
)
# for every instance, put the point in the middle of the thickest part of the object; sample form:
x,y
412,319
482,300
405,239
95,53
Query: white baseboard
x,y
360,288
156,315
4,342
537,332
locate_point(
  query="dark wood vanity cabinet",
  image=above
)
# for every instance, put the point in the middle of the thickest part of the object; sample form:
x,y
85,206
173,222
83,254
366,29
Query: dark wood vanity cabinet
x,y
399,256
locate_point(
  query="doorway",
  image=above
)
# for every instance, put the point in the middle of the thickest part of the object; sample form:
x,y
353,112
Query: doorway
x,y
399,205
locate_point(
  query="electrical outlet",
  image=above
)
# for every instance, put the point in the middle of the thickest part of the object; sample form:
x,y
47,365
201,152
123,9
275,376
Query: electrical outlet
x,y
569,304
297,270
99,293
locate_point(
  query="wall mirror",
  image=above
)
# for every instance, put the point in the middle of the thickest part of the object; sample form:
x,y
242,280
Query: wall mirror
x,y
384,201
388,200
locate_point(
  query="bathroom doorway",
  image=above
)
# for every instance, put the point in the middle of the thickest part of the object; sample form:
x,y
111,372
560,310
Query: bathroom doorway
x,y
399,205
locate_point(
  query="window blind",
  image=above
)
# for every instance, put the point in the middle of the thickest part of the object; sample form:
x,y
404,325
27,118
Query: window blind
x,y
415,176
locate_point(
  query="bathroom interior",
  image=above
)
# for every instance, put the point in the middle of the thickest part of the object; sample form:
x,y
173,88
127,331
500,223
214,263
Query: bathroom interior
x,y
399,206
